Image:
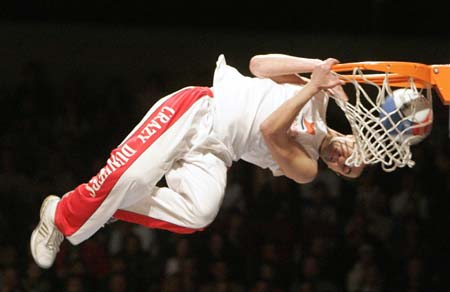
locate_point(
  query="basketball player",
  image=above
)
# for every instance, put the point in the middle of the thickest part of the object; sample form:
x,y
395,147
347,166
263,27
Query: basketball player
x,y
191,137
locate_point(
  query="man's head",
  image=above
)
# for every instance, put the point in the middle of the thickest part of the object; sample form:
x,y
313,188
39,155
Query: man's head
x,y
334,151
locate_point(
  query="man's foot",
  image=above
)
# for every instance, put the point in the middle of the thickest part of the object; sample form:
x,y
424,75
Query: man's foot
x,y
46,238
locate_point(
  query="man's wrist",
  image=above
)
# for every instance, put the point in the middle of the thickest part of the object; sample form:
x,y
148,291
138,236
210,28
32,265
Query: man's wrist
x,y
311,88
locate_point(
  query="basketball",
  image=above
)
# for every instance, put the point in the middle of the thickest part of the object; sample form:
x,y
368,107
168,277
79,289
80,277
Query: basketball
x,y
407,114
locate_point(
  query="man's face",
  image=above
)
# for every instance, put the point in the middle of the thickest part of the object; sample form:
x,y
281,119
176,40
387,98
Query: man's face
x,y
336,152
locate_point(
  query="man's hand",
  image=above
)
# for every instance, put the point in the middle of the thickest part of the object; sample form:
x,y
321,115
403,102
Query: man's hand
x,y
322,78
338,92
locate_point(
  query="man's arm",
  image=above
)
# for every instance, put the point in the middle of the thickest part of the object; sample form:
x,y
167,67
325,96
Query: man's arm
x,y
290,156
282,68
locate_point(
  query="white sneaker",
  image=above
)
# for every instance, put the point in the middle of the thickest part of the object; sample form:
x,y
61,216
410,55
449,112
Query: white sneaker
x,y
46,238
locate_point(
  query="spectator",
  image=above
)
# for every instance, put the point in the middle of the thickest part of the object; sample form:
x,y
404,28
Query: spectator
x,y
365,274
10,280
220,279
311,275
35,280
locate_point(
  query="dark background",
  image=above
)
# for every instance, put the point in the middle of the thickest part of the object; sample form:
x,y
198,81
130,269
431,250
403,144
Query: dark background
x,y
75,77
399,17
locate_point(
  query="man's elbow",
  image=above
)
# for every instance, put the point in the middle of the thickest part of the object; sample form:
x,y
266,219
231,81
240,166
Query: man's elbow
x,y
265,129
271,135
307,174
256,66
270,131
310,178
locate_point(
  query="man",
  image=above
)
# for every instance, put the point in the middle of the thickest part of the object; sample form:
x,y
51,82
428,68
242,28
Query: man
x,y
191,137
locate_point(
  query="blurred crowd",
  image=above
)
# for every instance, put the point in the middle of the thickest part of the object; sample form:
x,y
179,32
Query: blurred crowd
x,y
382,232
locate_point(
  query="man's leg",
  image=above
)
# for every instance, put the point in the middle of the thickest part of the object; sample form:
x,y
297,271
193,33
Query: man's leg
x,y
196,188
130,173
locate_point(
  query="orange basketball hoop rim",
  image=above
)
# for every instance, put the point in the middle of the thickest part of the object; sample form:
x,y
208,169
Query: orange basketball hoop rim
x,y
399,74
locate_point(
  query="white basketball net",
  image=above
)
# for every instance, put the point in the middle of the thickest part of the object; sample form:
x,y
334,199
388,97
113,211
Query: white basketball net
x,y
376,143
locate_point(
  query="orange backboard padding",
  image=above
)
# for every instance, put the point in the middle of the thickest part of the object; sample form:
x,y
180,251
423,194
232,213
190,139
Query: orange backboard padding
x,y
399,73
440,75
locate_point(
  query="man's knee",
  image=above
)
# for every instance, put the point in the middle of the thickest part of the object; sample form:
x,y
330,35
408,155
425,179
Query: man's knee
x,y
205,213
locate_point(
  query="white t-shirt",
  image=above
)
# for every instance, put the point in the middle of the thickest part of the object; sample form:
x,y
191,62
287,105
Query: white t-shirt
x,y
242,103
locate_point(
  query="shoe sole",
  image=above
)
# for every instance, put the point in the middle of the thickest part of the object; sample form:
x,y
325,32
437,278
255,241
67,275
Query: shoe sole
x,y
34,233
